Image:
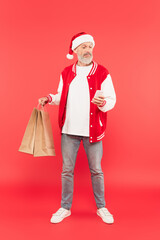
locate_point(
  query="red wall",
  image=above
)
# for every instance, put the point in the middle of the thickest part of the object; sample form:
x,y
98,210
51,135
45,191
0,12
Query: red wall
x,y
35,38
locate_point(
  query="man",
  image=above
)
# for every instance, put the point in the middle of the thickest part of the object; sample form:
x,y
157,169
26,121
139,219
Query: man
x,y
82,117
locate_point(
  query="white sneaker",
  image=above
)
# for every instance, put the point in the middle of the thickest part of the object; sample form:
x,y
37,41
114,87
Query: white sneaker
x,y
106,216
60,215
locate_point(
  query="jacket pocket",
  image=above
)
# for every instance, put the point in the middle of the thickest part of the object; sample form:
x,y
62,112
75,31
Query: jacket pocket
x,y
100,122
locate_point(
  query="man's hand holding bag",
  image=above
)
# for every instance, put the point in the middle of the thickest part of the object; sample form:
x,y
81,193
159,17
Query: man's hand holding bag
x,y
38,137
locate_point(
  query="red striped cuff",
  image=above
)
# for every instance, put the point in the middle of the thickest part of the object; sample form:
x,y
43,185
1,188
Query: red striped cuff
x,y
49,98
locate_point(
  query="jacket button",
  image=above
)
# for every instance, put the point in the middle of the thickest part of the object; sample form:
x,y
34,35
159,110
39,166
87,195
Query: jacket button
x,y
91,140
91,113
91,137
91,125
91,88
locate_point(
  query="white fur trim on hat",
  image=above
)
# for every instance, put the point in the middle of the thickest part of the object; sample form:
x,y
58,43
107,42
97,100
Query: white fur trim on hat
x,y
81,39
69,56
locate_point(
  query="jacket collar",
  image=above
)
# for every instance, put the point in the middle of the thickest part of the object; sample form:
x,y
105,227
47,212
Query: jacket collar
x,y
92,71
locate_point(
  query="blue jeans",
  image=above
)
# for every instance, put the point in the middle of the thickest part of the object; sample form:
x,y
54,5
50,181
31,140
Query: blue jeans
x,y
69,147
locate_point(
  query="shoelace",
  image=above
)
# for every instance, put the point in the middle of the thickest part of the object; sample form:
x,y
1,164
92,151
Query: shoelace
x,y
59,212
105,212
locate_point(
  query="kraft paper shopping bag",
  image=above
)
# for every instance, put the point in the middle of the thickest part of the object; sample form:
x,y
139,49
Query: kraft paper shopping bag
x,y
44,145
27,144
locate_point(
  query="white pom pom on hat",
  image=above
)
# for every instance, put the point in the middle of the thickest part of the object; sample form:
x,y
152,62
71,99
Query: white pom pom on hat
x,y
69,56
78,39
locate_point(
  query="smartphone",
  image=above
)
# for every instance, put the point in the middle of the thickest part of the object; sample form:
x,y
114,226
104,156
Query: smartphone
x,y
98,93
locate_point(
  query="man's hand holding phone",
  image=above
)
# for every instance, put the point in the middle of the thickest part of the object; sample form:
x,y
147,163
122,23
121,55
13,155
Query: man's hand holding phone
x,y
99,99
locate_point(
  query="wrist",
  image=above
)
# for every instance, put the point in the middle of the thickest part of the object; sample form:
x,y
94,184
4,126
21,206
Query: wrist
x,y
49,99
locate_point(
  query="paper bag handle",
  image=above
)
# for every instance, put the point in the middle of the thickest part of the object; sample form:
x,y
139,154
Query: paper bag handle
x,y
44,108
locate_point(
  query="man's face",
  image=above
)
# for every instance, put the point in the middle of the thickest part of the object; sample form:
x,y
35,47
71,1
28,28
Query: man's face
x,y
84,52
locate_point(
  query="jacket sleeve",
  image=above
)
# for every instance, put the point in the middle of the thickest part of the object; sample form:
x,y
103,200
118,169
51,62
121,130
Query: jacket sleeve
x,y
55,98
109,94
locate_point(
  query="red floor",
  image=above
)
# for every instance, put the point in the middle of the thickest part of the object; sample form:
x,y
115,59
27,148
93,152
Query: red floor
x,y
25,212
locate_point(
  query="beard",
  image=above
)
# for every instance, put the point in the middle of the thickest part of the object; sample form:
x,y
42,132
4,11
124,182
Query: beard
x,y
85,60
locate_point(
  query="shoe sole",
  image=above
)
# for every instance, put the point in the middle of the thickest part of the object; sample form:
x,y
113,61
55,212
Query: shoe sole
x,y
103,220
62,218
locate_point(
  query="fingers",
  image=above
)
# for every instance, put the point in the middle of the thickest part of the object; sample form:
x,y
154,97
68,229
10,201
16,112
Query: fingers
x,y
101,96
39,101
98,101
42,101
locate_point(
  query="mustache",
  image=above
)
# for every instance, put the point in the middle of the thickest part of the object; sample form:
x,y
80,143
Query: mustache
x,y
87,54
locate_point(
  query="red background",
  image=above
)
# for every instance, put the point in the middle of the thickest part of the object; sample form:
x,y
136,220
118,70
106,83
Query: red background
x,y
34,40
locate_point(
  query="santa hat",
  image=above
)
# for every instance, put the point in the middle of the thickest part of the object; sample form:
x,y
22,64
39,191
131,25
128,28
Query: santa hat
x,y
78,39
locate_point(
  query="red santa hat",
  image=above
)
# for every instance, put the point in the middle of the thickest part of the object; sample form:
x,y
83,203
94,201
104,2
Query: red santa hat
x,y
78,39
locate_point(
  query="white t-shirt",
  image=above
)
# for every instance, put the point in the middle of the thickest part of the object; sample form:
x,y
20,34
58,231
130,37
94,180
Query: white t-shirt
x,y
78,104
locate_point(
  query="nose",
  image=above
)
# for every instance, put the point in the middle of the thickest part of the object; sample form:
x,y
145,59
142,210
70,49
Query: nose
x,y
88,51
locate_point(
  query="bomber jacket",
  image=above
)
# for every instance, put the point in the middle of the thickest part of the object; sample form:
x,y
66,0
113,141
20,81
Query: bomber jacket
x,y
98,115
